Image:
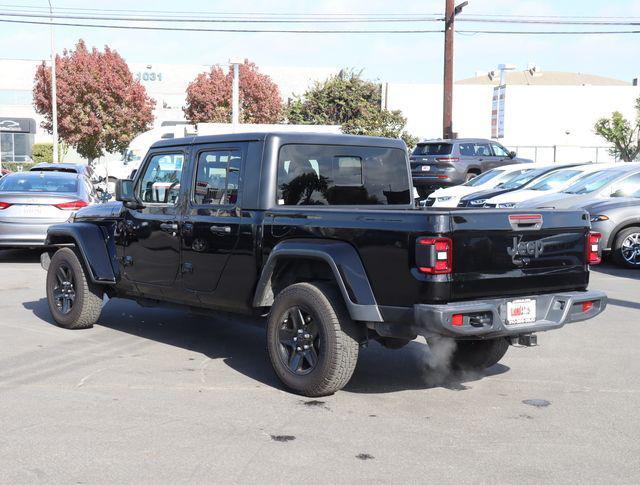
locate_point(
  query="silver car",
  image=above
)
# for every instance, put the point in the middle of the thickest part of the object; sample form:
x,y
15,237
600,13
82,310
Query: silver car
x,y
618,220
30,202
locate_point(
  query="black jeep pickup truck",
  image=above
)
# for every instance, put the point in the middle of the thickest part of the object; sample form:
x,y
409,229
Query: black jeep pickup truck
x,y
319,234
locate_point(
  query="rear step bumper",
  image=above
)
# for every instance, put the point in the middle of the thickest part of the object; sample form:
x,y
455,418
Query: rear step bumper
x,y
488,318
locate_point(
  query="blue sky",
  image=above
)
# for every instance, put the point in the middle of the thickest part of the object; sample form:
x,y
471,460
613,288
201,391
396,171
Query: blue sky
x,y
397,58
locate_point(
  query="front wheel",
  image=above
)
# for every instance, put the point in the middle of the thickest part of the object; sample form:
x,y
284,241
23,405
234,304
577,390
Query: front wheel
x,y
311,340
74,301
626,249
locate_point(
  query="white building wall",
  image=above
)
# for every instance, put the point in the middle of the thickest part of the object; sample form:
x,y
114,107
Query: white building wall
x,y
535,116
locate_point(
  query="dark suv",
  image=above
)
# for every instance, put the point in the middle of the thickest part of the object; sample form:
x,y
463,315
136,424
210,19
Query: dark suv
x,y
444,163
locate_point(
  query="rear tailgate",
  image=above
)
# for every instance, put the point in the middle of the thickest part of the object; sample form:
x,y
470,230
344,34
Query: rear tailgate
x,y
501,253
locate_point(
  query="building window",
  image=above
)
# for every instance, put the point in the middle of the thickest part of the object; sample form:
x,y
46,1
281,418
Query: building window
x,y
16,147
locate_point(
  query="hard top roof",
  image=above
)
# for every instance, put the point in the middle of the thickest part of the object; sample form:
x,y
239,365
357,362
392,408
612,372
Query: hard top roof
x,y
284,138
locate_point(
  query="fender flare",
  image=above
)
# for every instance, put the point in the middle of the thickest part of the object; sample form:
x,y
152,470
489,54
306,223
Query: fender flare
x,y
345,264
90,240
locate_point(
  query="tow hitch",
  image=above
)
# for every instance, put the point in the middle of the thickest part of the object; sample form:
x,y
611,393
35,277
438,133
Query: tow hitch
x,y
526,340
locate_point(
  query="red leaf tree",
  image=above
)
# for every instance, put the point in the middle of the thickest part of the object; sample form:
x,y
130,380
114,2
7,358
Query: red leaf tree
x,y
209,97
101,108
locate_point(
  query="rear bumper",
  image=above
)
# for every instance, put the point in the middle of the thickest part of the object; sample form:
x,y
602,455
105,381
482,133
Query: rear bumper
x,y
553,310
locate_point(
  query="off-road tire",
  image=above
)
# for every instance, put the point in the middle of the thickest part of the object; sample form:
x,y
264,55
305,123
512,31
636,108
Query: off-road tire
x,y
338,334
616,252
478,354
87,306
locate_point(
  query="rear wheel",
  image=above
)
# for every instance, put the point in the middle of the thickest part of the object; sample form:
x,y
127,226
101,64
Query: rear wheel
x,y
470,175
311,339
478,354
73,300
626,249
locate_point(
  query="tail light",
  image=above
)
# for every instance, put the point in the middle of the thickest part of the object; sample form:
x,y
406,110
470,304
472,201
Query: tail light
x,y
73,205
447,159
4,205
593,245
434,255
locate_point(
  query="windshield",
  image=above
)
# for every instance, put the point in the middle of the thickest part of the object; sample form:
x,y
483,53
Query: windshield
x,y
522,179
483,178
39,182
432,149
591,182
555,180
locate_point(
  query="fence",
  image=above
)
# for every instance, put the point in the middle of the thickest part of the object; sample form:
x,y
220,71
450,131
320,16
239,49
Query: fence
x,y
565,153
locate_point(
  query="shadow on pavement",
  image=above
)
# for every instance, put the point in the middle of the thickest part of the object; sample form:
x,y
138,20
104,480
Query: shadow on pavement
x,y
240,342
610,269
20,255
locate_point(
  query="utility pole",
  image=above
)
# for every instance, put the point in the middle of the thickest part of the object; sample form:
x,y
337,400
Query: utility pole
x,y
447,108
54,95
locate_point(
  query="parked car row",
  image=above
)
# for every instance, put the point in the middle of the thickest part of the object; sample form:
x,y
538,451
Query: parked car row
x,y
609,192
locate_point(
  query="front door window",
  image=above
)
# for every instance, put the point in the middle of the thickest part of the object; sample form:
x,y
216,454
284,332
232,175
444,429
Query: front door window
x,y
160,183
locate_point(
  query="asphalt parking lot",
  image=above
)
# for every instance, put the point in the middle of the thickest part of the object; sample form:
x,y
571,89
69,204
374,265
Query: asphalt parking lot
x,y
159,396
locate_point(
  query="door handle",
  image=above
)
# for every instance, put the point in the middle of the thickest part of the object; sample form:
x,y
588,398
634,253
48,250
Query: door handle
x,y
169,227
220,229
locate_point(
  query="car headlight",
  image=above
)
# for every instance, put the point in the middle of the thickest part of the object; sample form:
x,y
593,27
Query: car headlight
x,y
599,218
444,199
506,205
478,202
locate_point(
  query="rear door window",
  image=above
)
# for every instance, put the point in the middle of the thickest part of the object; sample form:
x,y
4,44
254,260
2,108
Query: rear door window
x,y
217,177
473,149
342,175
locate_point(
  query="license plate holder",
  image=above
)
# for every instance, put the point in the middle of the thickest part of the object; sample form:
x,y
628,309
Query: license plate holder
x,y
521,311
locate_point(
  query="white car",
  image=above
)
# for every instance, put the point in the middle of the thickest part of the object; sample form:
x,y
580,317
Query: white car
x,y
550,184
450,196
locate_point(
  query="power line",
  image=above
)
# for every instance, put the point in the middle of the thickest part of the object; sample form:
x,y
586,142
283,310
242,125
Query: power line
x,y
322,31
214,20
235,30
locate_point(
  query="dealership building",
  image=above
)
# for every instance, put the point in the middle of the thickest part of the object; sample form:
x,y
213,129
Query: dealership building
x,y
543,115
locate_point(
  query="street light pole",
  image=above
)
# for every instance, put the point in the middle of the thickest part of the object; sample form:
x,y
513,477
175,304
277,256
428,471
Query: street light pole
x,y
235,94
447,108
54,95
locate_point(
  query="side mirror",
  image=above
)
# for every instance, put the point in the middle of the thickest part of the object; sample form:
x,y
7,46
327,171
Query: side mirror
x,y
619,193
512,154
124,193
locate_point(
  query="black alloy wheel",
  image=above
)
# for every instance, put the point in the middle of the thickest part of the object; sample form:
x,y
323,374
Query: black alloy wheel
x,y
64,290
299,340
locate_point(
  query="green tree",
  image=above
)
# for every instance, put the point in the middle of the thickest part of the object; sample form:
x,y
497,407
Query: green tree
x,y
622,134
354,103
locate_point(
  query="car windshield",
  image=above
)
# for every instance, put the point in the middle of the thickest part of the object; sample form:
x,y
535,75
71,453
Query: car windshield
x,y
433,149
522,179
483,178
39,182
592,182
555,180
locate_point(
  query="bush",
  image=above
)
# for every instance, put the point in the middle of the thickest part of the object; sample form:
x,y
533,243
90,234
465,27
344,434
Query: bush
x,y
42,152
